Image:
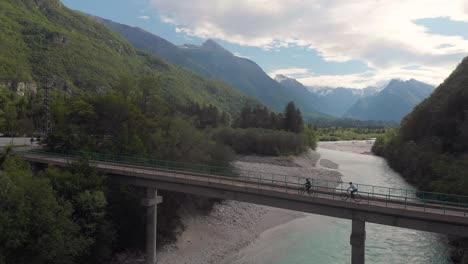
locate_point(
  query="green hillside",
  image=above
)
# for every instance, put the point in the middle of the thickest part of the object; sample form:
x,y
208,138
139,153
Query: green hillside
x,y
431,148
213,61
42,40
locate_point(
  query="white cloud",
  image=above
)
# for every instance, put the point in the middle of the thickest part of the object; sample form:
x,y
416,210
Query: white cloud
x,y
144,17
430,75
238,54
290,72
381,33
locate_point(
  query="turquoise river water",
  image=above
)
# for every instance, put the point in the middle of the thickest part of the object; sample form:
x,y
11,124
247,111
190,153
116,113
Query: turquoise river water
x,y
325,240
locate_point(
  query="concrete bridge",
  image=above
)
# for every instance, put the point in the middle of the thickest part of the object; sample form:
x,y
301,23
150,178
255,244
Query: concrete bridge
x,y
432,212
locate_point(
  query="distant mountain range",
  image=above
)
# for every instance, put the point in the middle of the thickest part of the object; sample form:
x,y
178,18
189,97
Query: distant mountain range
x,y
332,101
213,61
390,103
393,103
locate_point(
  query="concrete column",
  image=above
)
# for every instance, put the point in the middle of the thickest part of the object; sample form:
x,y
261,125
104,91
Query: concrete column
x,y
358,241
151,202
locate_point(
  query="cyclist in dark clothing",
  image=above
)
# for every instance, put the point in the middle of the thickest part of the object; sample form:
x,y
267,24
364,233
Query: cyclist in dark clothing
x,y
308,185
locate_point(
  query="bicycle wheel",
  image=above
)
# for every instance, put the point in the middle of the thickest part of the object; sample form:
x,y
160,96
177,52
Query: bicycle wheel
x,y
301,191
357,198
344,196
313,192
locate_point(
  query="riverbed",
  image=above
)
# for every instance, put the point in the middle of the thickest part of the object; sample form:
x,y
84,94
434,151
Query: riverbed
x,y
320,239
240,233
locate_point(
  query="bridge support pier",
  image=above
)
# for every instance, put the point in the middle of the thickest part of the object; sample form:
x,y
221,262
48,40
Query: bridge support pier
x,y
358,241
151,202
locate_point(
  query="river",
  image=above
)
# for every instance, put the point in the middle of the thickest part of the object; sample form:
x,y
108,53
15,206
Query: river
x,y
325,240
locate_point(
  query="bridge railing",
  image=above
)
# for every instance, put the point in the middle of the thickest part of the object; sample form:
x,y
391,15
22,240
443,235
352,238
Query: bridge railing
x,y
385,195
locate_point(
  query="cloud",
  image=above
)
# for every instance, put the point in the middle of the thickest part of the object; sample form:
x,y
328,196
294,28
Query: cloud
x,y
290,72
238,54
430,75
144,17
382,33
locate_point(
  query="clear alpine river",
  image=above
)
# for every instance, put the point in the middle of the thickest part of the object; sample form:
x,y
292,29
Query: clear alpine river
x,y
325,240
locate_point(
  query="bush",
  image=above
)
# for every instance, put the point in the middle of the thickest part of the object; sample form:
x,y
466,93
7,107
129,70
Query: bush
x,y
35,225
264,141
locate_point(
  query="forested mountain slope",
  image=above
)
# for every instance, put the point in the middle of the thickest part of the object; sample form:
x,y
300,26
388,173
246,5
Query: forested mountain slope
x,y
431,147
213,61
43,41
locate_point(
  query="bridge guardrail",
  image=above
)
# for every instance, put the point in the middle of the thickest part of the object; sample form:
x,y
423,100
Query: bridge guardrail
x,y
386,195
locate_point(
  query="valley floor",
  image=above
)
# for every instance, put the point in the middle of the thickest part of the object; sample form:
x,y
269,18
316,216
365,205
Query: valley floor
x,y
233,225
353,146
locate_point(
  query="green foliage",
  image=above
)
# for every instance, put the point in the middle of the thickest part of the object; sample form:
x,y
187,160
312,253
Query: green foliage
x,y
348,123
264,141
261,117
18,113
207,116
343,133
264,132
53,45
115,124
35,225
431,147
84,189
293,118
311,137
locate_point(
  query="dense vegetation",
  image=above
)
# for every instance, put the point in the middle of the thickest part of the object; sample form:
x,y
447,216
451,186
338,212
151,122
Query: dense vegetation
x,y
260,131
104,96
262,117
431,147
75,215
19,115
349,123
341,133
44,43
100,216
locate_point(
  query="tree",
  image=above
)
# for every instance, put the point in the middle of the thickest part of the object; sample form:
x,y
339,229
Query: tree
x,y
10,115
293,119
35,226
147,87
125,86
84,189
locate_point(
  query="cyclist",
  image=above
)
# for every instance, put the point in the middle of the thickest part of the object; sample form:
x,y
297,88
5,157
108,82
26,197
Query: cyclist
x,y
352,188
308,185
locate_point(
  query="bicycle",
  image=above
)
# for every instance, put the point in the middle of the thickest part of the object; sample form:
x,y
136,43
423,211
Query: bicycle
x,y
302,190
346,195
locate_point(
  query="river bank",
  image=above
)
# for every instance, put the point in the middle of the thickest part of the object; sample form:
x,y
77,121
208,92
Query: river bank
x,y
353,146
233,225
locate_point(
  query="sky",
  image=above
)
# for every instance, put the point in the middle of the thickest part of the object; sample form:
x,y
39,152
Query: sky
x,y
335,43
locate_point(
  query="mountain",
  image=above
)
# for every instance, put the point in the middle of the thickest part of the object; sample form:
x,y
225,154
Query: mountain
x,y
42,41
332,101
393,103
443,117
337,101
213,61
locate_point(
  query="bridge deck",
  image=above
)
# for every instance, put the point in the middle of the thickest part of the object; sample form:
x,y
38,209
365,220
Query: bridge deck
x,y
270,192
